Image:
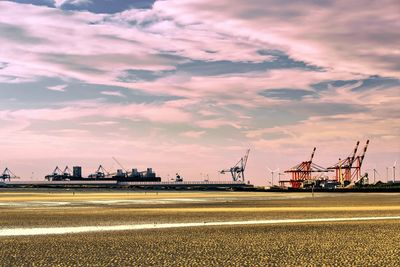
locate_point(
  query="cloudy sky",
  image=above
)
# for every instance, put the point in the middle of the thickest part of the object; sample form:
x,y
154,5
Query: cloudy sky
x,y
189,85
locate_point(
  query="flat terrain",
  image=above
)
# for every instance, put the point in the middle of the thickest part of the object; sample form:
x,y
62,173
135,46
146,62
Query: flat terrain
x,y
360,243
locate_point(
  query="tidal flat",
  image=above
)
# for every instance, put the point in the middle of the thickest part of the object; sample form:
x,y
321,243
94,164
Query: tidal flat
x,y
295,244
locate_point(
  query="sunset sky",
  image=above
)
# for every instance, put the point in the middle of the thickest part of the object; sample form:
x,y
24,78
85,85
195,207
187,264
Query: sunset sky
x,y
188,85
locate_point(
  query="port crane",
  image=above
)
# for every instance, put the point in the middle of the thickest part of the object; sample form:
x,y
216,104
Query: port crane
x,y
349,169
237,171
67,172
303,171
344,166
99,173
8,175
57,174
60,175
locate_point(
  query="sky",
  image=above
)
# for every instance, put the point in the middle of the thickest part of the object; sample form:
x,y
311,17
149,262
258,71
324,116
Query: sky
x,y
188,85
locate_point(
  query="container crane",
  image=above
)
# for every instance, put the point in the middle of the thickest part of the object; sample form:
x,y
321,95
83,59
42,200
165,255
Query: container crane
x,y
344,167
358,163
237,171
7,174
303,171
67,172
349,169
56,175
99,173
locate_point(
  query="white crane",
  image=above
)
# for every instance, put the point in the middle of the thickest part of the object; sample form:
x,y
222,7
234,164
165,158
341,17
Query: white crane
x,y
237,171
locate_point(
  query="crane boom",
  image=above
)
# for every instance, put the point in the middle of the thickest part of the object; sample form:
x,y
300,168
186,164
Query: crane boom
x,y
363,154
312,154
245,159
354,154
122,167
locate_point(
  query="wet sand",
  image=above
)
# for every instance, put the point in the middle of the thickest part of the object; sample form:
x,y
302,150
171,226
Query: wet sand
x,y
149,228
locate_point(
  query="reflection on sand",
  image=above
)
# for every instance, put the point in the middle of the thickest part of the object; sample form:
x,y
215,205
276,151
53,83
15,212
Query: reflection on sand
x,y
85,229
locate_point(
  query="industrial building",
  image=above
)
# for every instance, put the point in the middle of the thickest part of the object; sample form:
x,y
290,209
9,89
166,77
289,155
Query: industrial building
x,y
102,175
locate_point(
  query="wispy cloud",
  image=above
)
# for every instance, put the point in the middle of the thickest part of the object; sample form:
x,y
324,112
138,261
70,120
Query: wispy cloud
x,y
113,93
100,123
193,134
155,113
59,88
351,42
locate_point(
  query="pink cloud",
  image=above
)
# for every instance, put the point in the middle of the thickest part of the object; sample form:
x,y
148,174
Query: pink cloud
x,y
215,123
350,42
154,113
193,134
100,123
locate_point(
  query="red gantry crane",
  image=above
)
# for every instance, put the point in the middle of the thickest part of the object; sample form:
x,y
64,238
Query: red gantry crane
x,y
303,171
349,169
